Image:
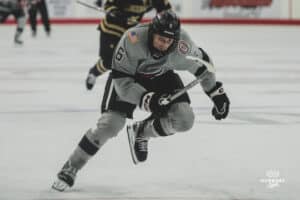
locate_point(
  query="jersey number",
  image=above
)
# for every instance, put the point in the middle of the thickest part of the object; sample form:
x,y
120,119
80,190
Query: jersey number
x,y
120,53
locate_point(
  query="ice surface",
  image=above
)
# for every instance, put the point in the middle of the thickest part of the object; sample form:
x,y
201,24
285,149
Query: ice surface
x,y
45,109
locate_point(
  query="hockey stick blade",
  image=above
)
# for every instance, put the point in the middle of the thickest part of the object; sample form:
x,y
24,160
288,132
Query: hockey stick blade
x,y
90,6
181,92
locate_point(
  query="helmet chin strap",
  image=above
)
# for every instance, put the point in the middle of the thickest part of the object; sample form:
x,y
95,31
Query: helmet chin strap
x,y
157,54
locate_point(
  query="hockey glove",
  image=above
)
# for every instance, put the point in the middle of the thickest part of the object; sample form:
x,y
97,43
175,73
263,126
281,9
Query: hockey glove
x,y
119,17
116,16
221,101
156,103
98,3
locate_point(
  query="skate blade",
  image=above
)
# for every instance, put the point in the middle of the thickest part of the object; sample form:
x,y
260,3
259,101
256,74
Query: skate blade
x,y
60,185
130,134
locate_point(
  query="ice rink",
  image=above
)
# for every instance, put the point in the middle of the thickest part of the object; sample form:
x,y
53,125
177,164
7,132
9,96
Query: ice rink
x,y
253,155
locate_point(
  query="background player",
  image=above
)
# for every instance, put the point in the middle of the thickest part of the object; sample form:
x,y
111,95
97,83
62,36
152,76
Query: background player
x,y
40,6
120,15
143,73
15,8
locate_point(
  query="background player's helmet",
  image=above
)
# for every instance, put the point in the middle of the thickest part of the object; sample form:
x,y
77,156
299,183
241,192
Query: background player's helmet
x,y
166,24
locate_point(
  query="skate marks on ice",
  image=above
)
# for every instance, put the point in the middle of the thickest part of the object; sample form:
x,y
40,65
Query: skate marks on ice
x,y
255,115
145,192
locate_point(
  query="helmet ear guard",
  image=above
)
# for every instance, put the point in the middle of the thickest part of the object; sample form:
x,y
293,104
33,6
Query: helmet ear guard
x,y
166,24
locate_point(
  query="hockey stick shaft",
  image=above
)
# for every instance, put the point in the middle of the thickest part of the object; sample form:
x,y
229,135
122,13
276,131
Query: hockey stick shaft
x,y
186,88
90,6
209,68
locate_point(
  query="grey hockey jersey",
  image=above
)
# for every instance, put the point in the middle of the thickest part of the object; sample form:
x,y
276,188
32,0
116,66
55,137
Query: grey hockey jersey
x,y
132,56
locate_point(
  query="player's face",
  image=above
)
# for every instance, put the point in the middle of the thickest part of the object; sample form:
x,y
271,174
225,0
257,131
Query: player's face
x,y
162,43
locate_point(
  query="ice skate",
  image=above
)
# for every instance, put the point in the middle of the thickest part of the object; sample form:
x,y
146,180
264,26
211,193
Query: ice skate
x,y
90,81
18,40
65,178
138,144
48,33
33,34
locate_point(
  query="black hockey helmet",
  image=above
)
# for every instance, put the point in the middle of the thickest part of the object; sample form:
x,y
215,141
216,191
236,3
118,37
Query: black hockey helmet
x,y
166,24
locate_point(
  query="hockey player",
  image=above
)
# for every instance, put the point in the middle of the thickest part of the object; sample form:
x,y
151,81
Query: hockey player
x,y
143,74
16,8
120,15
40,6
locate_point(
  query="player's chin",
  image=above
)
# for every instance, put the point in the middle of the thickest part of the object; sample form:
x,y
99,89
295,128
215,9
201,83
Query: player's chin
x,y
162,49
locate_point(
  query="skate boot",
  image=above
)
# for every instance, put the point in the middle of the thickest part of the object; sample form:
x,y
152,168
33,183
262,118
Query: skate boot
x,y
90,81
33,33
138,144
48,33
18,40
65,178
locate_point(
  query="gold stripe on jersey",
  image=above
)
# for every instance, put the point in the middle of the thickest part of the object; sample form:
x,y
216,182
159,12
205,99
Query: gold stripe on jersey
x,y
107,9
100,66
113,26
166,2
136,9
112,32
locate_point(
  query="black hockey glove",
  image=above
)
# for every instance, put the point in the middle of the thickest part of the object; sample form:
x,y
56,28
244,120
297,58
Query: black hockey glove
x,y
120,17
221,101
98,3
155,103
116,16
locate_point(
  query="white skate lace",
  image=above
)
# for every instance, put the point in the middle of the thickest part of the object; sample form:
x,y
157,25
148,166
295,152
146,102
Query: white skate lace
x,y
91,79
142,144
69,170
141,141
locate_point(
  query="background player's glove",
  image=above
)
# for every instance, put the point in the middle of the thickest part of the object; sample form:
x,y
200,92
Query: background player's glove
x,y
98,3
153,102
118,16
221,101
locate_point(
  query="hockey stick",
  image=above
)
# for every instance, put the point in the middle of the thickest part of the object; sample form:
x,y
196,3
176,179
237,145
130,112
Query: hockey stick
x,y
90,6
209,67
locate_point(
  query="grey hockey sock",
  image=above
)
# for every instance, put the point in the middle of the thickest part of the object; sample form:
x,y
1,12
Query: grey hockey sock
x,y
79,158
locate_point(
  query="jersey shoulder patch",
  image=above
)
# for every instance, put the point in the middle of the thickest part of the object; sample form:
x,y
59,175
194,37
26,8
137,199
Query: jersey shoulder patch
x,y
183,47
133,37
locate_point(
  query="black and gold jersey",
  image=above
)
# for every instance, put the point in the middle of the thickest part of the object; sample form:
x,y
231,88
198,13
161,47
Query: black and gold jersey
x,y
124,14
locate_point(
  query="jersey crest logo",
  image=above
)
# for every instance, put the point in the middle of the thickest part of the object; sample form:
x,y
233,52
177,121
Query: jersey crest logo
x,y
152,74
132,35
151,71
183,47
